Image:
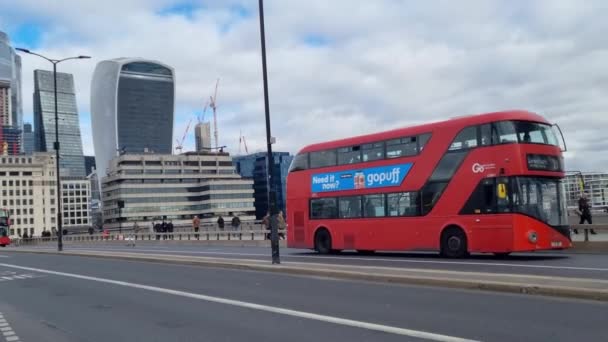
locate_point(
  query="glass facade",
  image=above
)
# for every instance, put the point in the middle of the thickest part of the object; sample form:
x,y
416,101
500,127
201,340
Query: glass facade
x,y
28,139
72,160
11,112
254,167
145,114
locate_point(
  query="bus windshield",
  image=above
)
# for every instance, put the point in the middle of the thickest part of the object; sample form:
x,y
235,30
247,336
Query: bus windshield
x,y
540,198
526,132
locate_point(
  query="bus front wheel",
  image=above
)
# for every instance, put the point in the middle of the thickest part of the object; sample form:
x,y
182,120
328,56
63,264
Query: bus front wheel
x,y
323,242
453,243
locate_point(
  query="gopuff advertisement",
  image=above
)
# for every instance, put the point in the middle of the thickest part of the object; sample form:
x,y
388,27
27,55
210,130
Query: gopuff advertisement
x,y
373,177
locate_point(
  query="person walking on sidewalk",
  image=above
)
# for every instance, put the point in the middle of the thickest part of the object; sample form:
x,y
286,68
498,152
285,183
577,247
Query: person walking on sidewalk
x,y
282,225
196,224
584,210
220,223
236,223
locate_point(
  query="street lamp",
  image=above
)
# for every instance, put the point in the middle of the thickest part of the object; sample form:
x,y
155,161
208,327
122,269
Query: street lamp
x,y
56,145
272,198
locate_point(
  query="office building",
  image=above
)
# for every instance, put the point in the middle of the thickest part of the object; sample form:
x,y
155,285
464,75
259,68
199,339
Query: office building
x,y
70,142
95,203
202,136
176,187
76,199
255,167
28,191
11,141
132,106
11,112
595,186
28,139
89,164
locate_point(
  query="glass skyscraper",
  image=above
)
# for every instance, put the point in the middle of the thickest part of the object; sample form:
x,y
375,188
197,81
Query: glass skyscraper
x,y
132,105
28,139
11,112
70,143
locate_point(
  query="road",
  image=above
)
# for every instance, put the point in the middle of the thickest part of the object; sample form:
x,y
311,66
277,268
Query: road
x,y
70,298
561,264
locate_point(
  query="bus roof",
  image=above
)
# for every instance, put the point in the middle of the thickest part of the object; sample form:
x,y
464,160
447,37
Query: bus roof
x,y
466,120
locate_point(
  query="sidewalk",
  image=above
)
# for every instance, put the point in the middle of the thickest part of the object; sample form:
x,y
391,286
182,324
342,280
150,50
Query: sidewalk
x,y
526,284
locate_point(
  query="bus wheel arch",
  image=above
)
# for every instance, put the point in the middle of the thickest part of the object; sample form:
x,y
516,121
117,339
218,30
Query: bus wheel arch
x,y
453,242
323,241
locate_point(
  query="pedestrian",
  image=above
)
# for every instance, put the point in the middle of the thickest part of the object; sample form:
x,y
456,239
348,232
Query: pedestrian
x,y
170,229
220,223
158,229
266,225
91,230
584,210
236,223
196,224
282,225
164,229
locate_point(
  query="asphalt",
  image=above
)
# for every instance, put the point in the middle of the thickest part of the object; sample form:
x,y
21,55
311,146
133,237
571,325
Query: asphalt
x,y
562,264
52,307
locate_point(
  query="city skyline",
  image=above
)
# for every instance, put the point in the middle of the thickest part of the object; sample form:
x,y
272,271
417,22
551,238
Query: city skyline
x,y
327,72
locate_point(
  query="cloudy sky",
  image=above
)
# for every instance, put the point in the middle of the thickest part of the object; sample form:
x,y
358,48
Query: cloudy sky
x,y
339,68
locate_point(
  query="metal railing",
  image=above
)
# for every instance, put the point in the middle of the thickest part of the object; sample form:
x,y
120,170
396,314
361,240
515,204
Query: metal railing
x,y
587,228
205,235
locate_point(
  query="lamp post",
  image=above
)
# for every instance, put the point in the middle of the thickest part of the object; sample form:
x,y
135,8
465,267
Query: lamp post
x,y
56,144
272,198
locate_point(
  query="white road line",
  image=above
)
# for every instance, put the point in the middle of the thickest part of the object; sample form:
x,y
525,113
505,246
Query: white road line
x,y
4,256
260,307
468,263
7,331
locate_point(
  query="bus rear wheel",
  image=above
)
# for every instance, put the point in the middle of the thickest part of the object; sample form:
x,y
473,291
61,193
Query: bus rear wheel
x,y
323,242
453,243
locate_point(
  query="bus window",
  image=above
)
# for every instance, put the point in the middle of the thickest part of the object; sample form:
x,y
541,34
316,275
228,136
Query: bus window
x,y
506,132
422,140
467,138
300,162
350,207
373,151
373,206
323,208
349,155
323,158
403,147
402,204
535,133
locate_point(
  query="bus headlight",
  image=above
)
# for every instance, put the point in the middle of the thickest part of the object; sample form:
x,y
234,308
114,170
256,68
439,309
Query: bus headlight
x,y
532,237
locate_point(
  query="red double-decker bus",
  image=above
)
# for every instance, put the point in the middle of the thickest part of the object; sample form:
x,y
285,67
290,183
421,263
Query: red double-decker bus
x,y
487,183
5,225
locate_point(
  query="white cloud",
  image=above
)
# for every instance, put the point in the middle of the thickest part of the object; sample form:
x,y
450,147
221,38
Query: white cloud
x,y
385,63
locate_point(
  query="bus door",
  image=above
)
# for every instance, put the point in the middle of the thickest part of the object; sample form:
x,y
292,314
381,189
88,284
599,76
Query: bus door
x,y
297,212
489,229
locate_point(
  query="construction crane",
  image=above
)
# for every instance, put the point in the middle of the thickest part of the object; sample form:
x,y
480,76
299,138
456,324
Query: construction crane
x,y
243,141
180,143
213,105
201,117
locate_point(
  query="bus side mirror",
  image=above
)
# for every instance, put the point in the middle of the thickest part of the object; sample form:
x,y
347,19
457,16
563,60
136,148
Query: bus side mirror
x,y
502,190
562,146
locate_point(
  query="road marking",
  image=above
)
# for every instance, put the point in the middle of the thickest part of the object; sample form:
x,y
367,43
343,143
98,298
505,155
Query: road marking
x,y
469,263
259,307
7,331
4,256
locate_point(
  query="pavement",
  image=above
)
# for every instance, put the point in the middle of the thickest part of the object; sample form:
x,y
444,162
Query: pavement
x,y
72,298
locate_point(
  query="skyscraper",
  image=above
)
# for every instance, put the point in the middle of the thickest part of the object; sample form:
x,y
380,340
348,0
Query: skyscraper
x,y
132,105
28,139
70,143
202,136
89,164
11,111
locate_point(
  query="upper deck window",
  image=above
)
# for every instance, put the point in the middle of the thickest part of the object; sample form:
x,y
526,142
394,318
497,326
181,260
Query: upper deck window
x,y
535,133
373,151
349,155
300,162
323,158
402,147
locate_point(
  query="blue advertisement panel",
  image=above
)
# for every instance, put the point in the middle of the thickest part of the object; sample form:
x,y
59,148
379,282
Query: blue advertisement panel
x,y
372,177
